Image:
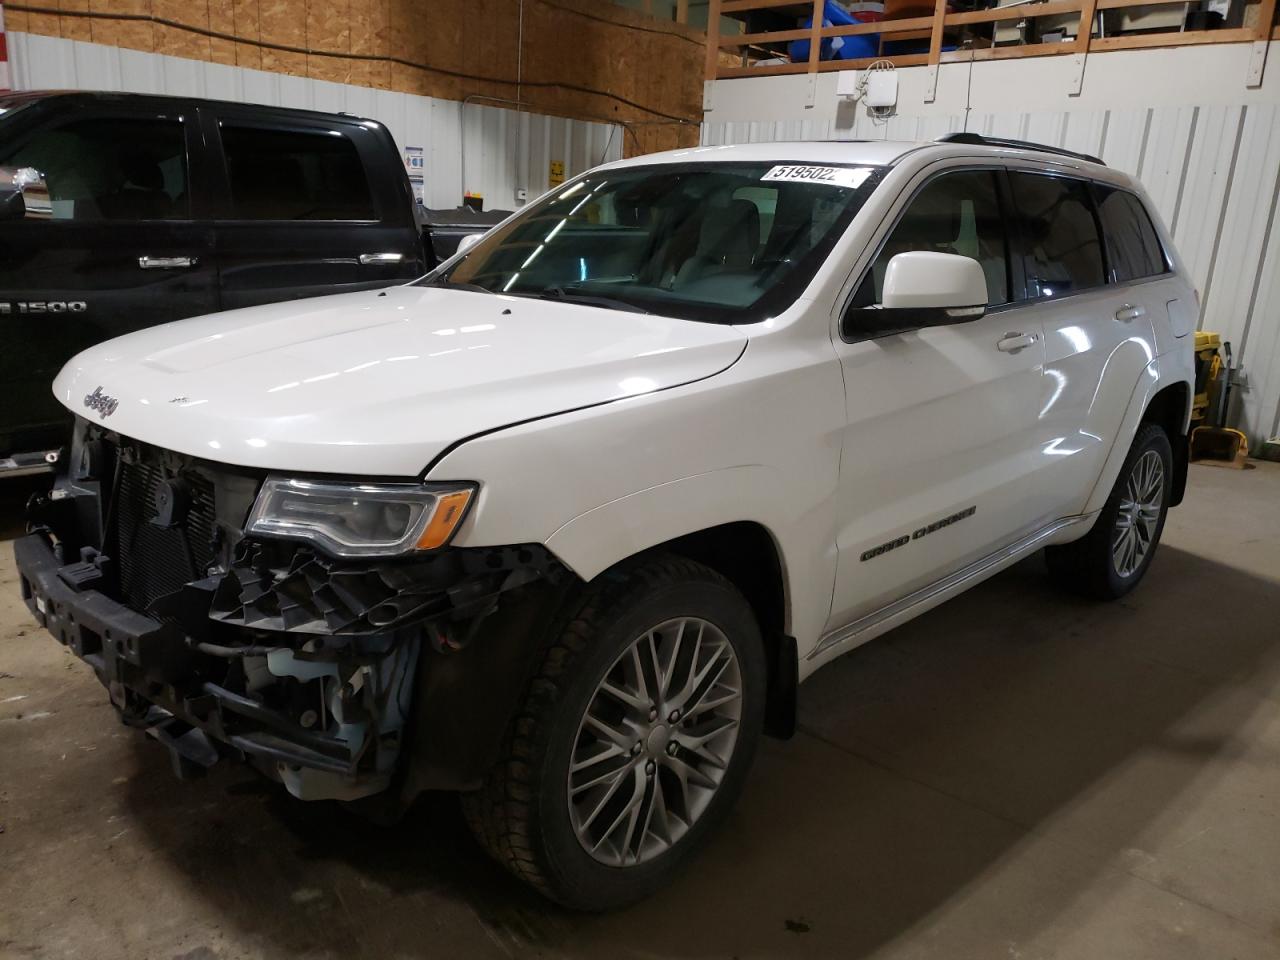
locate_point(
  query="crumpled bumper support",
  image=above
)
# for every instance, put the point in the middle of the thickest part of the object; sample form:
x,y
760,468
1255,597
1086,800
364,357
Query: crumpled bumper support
x,y
154,678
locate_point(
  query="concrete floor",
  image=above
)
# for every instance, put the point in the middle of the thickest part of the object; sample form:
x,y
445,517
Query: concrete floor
x,y
1017,774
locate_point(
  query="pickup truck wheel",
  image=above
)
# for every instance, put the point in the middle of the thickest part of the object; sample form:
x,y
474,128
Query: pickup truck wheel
x,y
1112,558
635,737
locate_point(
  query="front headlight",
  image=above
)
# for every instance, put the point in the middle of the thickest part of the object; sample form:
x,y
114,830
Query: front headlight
x,y
361,519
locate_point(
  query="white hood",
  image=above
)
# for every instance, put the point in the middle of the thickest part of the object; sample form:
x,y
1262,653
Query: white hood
x,y
378,382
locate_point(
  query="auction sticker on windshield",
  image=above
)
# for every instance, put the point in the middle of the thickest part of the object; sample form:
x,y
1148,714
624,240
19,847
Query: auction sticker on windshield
x,y
851,177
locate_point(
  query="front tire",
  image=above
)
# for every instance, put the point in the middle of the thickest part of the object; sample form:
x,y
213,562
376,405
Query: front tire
x,y
1114,555
634,739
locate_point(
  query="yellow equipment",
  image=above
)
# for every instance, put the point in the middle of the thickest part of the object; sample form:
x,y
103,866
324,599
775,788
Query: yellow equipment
x,y
1211,439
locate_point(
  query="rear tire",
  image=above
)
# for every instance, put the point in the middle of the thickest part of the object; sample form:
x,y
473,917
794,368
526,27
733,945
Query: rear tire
x,y
634,739
1113,557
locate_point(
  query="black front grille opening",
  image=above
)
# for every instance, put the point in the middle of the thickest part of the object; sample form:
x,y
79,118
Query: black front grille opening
x,y
159,550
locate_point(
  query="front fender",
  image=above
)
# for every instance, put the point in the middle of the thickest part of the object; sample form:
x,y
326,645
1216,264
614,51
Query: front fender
x,y
596,539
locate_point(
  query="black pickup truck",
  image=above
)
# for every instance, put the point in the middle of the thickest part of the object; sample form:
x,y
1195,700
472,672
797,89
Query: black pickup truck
x,y
121,211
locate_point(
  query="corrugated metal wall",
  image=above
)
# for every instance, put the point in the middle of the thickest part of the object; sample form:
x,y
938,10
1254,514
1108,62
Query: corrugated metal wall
x,y
504,150
1212,170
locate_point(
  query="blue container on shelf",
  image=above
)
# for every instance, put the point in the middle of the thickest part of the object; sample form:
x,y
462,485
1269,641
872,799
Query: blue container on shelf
x,y
836,48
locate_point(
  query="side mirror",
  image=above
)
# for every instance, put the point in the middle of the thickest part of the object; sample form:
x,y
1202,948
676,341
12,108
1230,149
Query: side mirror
x,y
23,195
469,241
923,289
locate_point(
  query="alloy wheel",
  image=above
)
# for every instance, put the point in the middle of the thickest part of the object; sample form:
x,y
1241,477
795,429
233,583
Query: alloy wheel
x,y
1139,514
655,741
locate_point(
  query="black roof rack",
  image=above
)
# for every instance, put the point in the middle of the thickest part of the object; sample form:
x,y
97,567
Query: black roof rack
x,y
979,140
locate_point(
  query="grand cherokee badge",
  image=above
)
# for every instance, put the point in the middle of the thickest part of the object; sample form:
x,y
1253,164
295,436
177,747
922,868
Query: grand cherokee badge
x,y
99,401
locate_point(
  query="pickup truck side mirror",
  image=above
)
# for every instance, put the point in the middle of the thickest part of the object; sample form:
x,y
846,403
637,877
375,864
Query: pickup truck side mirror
x,y
922,289
23,195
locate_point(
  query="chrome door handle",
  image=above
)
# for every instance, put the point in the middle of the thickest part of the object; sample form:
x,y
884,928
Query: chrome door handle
x,y
1013,342
1130,312
368,258
166,263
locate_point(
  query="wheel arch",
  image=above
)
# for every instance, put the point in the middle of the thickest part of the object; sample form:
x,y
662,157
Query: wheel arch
x,y
1170,408
1154,399
746,554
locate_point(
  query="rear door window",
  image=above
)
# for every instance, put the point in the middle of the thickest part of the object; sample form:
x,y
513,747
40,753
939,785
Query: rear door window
x,y
110,168
1133,248
295,175
1063,246
956,213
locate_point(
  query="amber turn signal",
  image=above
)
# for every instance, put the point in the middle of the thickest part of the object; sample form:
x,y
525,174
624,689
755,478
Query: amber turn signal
x,y
449,511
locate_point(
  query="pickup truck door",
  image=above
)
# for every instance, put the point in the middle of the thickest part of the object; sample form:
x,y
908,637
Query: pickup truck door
x,y
308,206
938,455
123,246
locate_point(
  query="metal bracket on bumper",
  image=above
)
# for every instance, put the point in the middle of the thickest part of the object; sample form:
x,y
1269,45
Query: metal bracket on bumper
x,y
148,668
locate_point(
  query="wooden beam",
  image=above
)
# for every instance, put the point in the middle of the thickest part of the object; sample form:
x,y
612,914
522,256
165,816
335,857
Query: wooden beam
x,y
1009,53
775,36
1120,4
882,26
682,11
935,38
1016,13
1266,18
736,6
826,66
850,30
713,39
1084,29
1186,38
815,39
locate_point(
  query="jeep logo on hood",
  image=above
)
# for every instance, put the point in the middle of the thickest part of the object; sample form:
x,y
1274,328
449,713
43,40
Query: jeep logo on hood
x,y
99,401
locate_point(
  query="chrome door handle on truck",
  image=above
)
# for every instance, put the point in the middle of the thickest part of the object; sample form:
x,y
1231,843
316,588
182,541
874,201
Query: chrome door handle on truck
x,y
369,258
166,263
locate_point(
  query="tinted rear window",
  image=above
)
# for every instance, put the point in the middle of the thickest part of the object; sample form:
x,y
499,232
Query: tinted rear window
x,y
1064,250
1133,248
295,175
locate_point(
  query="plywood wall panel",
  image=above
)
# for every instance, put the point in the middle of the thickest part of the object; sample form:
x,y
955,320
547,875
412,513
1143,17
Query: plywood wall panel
x,y
174,41
245,24
580,57
222,20
283,22
75,28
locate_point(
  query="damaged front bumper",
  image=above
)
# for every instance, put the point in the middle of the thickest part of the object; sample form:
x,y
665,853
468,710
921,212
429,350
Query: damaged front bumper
x,y
332,730
338,678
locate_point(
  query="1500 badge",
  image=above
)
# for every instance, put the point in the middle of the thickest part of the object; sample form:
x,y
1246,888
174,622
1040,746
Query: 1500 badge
x,y
42,306
924,531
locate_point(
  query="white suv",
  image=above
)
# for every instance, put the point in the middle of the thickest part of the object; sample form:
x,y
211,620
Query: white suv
x,y
563,525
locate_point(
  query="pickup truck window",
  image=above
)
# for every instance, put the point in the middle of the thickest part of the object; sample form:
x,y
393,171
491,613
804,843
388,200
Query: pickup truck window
x,y
110,168
295,175
717,242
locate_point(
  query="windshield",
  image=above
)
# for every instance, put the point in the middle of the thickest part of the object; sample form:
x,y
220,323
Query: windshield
x,y
718,242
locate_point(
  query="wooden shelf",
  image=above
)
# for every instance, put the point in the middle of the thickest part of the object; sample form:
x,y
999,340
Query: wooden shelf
x,y
941,24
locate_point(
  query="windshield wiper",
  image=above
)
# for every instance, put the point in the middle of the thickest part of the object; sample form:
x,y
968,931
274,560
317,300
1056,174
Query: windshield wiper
x,y
593,300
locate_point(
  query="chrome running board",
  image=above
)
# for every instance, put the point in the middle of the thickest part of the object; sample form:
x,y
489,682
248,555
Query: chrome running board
x,y
951,583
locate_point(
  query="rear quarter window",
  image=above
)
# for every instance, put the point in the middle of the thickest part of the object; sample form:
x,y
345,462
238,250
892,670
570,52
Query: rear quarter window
x,y
1133,247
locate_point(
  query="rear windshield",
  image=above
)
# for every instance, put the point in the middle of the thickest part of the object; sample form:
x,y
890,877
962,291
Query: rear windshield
x,y
716,242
